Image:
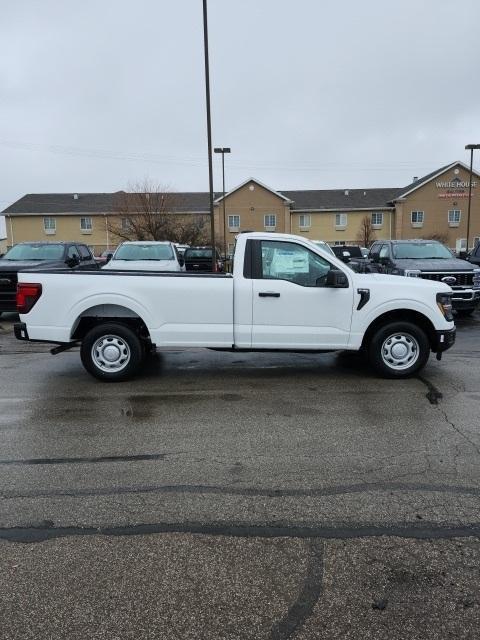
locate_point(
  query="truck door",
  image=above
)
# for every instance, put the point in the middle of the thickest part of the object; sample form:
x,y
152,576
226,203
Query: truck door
x,y
292,306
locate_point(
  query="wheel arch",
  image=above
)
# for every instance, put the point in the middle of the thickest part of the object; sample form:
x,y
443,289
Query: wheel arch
x,y
401,315
101,313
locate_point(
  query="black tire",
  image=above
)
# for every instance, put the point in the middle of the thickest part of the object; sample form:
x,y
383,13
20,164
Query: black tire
x,y
111,352
464,313
398,350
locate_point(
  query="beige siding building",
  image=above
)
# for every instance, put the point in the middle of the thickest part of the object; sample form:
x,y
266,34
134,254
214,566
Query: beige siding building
x,y
433,206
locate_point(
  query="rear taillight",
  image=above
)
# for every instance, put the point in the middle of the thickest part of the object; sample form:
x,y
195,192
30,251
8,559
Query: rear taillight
x,y
27,295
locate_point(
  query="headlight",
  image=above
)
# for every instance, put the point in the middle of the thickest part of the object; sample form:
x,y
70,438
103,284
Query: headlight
x,y
412,273
476,278
444,303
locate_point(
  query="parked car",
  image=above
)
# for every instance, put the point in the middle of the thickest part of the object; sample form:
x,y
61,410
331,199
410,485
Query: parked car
x,y
284,294
200,259
352,255
430,260
43,255
142,255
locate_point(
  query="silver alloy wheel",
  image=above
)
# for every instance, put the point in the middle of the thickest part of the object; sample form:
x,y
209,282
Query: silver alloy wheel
x,y
400,351
111,353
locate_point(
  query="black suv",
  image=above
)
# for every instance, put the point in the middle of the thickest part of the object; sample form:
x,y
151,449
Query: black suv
x,y
39,255
430,260
200,259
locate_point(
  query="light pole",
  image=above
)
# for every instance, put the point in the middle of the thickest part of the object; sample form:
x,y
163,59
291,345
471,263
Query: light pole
x,y
223,151
209,132
471,147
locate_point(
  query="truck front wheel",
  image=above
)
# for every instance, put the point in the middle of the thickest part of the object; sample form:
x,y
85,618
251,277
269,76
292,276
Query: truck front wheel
x,y
398,350
111,352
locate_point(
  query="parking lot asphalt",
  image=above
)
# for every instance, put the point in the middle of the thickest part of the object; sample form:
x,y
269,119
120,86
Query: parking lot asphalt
x,y
239,496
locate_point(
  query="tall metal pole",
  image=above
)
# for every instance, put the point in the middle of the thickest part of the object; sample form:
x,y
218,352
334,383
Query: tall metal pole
x,y
469,196
224,217
209,133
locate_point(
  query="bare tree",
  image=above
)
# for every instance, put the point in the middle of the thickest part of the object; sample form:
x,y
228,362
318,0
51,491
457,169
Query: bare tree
x,y
151,212
439,237
366,234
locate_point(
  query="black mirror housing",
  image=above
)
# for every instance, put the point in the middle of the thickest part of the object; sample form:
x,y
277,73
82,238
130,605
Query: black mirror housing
x,y
336,279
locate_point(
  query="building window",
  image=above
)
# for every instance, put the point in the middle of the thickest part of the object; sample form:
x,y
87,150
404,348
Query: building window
x,y
270,221
304,221
454,216
233,223
86,225
125,224
339,243
340,221
417,218
377,220
50,226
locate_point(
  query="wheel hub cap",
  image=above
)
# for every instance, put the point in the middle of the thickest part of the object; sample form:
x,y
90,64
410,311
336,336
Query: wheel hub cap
x,y
400,351
111,353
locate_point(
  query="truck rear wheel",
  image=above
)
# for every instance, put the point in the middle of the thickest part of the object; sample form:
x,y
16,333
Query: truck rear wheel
x,y
111,352
398,350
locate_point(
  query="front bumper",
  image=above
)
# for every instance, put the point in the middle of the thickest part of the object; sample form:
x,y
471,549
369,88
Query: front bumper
x,y
444,340
465,298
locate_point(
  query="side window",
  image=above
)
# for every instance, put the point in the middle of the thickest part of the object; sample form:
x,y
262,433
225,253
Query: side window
x,y
84,252
374,251
72,251
384,251
292,262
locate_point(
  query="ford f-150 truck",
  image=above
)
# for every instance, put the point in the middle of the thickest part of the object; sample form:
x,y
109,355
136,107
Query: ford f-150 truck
x,y
285,294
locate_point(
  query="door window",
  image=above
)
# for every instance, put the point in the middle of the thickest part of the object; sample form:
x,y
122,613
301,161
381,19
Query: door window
x,y
292,262
384,252
72,252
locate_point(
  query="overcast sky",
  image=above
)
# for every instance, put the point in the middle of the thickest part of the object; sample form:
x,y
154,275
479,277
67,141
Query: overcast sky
x,y
309,94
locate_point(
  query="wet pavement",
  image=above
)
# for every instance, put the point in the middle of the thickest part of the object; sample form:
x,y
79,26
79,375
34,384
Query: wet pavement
x,y
239,496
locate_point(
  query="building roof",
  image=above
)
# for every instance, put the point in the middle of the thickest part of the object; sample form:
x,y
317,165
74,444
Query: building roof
x,y
279,194
95,203
421,181
198,201
329,199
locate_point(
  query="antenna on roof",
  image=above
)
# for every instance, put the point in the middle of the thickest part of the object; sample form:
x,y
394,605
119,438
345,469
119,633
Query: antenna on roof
x,y
415,178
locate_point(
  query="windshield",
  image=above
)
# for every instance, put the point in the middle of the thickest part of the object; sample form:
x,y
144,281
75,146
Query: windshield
x,y
421,251
35,252
144,252
198,253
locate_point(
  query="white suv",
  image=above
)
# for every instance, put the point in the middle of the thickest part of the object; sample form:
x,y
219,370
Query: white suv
x,y
144,255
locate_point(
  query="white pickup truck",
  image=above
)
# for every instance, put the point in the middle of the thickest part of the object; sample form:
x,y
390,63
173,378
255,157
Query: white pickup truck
x,y
285,294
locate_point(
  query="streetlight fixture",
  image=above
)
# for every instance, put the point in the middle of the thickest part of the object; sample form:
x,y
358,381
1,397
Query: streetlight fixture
x,y
223,151
471,147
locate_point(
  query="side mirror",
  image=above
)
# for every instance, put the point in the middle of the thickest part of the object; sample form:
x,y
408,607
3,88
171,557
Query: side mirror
x,y
385,260
109,257
72,261
462,254
181,261
336,279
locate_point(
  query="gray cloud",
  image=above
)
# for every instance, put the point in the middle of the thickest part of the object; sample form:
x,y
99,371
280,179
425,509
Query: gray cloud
x,y
309,94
